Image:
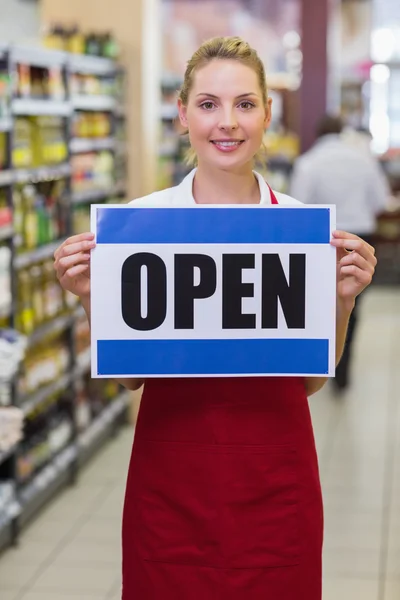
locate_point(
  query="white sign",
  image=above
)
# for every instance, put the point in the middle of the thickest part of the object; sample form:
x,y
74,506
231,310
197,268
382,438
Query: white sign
x,y
211,291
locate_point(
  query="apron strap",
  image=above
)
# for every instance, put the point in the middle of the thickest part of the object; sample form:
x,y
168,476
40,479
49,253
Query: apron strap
x,y
273,197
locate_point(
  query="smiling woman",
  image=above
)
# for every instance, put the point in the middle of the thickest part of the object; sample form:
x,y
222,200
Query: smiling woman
x,y
223,496
240,114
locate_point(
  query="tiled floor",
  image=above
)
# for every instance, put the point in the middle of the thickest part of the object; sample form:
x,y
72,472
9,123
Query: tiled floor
x,y
73,550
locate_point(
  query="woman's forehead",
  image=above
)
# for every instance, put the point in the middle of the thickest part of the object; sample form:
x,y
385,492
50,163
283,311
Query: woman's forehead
x,y
226,76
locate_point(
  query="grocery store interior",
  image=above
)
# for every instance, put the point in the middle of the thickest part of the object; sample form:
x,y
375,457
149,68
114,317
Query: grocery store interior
x,y
88,115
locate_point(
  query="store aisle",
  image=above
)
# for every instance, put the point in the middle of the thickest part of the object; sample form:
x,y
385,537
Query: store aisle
x,y
73,550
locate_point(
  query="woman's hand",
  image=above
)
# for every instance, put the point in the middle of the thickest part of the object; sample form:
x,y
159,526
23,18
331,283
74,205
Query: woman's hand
x,y
72,263
356,264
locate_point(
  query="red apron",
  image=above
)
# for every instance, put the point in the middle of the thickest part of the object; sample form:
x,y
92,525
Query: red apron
x,y
223,498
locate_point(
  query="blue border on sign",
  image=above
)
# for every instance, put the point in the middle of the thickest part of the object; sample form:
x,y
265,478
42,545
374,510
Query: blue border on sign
x,y
131,225
213,357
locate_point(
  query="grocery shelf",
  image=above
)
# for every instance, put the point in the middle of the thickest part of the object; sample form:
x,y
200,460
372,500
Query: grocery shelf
x,y
47,173
91,65
91,144
6,177
57,100
7,514
44,485
93,102
101,427
5,310
57,325
5,124
29,402
5,454
38,57
83,363
169,112
120,110
6,232
37,255
36,107
93,195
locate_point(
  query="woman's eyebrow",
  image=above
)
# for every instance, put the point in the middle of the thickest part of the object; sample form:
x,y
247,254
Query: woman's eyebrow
x,y
217,98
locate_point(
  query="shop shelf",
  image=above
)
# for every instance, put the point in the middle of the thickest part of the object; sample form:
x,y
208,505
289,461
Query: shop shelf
x,y
36,107
5,310
169,112
6,232
91,144
5,454
44,485
93,102
83,363
38,57
102,426
87,196
6,177
120,111
29,402
47,173
37,255
5,124
7,514
91,65
57,325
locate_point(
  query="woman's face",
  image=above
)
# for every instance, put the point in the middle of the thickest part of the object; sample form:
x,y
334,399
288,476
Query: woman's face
x,y
225,115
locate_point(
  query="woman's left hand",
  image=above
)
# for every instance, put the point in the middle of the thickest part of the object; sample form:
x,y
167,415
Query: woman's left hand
x,y
356,264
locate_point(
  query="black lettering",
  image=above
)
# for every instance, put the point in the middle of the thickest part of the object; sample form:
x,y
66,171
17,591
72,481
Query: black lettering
x,y
186,291
233,290
292,295
156,291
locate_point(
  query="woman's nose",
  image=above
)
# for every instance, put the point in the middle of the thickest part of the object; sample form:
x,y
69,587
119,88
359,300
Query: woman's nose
x,y
228,120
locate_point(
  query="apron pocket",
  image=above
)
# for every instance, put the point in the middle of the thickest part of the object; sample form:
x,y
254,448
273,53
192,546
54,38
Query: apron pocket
x,y
176,503
260,498
216,506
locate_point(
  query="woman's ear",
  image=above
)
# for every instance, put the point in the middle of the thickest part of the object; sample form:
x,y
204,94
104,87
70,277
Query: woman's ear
x,y
268,113
182,111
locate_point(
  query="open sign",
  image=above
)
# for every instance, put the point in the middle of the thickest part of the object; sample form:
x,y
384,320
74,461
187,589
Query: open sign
x,y
210,291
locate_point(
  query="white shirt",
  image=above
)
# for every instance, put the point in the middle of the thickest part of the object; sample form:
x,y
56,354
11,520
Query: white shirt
x,y
182,194
334,173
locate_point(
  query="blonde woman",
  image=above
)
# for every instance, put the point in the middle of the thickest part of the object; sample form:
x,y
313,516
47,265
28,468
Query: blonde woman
x,y
223,496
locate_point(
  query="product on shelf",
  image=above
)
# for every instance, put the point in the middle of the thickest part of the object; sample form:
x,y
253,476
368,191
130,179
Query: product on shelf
x,y
94,85
59,37
39,214
3,150
5,210
44,363
11,425
93,395
40,297
82,336
39,141
91,125
48,430
39,82
92,170
5,281
8,498
5,95
22,151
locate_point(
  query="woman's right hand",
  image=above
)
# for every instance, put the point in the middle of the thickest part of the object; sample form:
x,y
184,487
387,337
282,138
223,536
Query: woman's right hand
x,y
72,263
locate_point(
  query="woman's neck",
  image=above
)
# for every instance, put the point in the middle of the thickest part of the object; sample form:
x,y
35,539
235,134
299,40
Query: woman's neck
x,y
213,186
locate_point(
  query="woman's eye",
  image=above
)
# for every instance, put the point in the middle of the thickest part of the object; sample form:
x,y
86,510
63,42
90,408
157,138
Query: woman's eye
x,y
246,105
207,105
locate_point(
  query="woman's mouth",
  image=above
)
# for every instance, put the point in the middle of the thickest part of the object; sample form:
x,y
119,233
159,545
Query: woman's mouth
x,y
227,145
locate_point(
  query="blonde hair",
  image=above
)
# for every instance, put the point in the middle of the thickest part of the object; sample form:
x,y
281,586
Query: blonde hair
x,y
222,48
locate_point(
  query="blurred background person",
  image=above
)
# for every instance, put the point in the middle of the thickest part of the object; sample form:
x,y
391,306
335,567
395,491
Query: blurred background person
x,y
336,171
